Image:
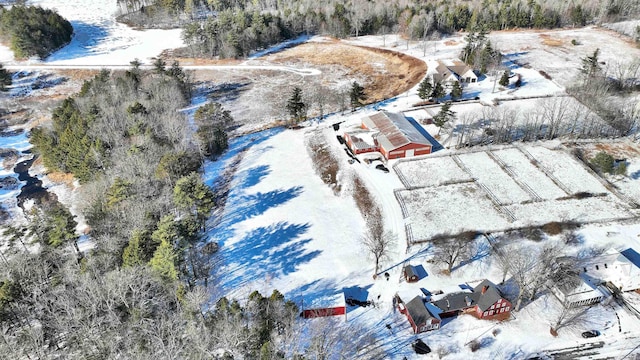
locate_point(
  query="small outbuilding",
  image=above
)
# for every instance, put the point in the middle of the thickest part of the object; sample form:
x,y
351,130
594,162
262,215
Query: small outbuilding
x,y
410,274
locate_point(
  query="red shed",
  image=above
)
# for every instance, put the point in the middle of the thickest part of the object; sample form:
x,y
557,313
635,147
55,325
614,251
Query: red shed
x,y
398,137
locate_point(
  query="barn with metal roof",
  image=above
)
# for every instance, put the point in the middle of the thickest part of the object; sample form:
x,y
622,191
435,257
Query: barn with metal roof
x,y
397,136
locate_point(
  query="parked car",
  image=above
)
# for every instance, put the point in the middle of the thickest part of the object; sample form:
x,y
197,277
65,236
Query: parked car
x,y
590,333
420,347
382,168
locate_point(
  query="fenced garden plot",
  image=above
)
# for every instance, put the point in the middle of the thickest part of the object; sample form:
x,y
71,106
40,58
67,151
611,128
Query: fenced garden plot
x,y
528,173
431,172
568,170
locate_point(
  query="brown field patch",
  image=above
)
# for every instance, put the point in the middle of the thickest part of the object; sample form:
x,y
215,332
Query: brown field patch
x,y
549,41
388,73
451,43
60,177
618,150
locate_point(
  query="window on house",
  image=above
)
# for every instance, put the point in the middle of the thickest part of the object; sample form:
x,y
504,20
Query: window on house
x,y
491,312
485,313
506,309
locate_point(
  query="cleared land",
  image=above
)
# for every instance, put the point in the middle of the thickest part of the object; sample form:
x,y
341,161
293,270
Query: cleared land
x,y
387,73
511,188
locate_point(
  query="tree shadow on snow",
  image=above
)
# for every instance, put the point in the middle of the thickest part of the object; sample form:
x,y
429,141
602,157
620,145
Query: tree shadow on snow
x,y
272,250
244,207
83,43
253,176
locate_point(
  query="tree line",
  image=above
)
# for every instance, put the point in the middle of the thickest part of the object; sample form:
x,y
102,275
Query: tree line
x,y
33,31
234,28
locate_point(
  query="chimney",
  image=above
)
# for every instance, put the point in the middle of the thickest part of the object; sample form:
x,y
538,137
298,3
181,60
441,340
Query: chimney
x,y
467,300
448,305
484,289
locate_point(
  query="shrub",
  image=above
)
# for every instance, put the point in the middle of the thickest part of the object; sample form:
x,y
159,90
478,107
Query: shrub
x,y
474,345
552,228
603,162
32,30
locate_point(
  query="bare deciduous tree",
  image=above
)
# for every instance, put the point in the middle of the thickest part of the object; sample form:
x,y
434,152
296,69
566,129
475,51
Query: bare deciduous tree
x,y
453,251
378,244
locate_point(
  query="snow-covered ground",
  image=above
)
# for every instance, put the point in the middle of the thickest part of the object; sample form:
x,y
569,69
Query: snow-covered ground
x,y
283,228
98,39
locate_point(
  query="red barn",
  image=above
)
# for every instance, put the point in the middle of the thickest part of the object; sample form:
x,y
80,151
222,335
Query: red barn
x,y
398,137
420,318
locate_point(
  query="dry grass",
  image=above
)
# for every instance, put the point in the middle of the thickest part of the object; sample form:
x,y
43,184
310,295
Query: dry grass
x,y
388,73
617,150
365,202
324,162
60,177
549,41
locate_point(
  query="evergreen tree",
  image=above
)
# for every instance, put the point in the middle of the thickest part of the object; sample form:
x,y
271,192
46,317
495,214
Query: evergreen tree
x,y
163,262
590,65
296,107
192,194
5,78
356,95
424,89
603,162
140,249
443,116
166,231
456,91
212,120
438,91
504,80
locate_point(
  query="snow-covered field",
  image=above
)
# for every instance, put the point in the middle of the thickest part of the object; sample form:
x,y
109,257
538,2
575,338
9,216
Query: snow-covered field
x,y
98,39
527,172
525,191
283,228
567,169
432,171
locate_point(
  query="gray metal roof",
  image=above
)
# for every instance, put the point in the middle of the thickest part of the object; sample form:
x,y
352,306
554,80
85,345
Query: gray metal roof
x,y
409,271
418,311
462,300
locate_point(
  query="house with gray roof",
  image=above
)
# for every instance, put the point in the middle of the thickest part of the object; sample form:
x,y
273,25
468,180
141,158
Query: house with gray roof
x,y
484,302
422,316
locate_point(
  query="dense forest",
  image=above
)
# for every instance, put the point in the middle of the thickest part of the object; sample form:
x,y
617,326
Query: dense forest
x,y
228,28
143,291
33,31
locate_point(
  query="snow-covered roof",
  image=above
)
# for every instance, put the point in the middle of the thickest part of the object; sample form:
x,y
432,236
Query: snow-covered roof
x,y
619,268
362,139
418,311
462,300
395,130
448,70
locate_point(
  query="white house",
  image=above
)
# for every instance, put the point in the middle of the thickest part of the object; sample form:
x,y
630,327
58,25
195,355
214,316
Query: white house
x,y
448,72
615,269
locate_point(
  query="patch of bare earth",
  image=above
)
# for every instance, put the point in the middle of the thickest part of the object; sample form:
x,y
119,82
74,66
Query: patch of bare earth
x,y
387,73
550,41
325,162
618,149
